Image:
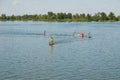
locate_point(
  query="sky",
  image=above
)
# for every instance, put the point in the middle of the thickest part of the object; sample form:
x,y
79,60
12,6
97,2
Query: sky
x,y
20,7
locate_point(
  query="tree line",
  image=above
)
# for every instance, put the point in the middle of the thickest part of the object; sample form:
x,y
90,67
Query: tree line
x,y
69,17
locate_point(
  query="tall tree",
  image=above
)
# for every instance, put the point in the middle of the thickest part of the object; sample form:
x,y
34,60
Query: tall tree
x,y
103,16
96,17
69,16
89,17
3,17
118,18
51,15
82,17
111,16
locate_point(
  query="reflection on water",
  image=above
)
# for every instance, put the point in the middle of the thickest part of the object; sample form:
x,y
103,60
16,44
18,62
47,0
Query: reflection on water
x,y
52,49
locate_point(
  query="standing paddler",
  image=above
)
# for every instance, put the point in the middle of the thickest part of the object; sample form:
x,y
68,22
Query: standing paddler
x,y
51,40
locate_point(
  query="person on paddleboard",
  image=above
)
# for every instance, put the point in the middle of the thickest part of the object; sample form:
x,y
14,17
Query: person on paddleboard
x,y
51,41
89,34
74,34
44,33
81,35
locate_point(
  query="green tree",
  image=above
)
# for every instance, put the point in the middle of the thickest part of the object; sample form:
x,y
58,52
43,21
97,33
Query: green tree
x,y
3,17
51,15
60,16
82,17
69,16
103,16
96,17
118,18
25,17
12,18
44,17
89,17
111,16
18,17
35,17
76,16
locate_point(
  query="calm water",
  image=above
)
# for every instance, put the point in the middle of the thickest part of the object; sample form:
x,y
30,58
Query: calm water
x,y
26,55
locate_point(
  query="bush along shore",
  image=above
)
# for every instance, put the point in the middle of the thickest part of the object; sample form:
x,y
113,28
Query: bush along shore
x,y
63,17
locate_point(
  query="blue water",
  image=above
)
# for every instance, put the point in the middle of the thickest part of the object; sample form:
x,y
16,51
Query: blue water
x,y
26,55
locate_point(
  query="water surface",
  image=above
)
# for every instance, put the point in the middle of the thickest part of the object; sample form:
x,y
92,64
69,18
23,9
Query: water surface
x,y
26,55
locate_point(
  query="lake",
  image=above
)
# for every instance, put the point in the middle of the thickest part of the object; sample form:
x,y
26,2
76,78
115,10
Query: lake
x,y
25,53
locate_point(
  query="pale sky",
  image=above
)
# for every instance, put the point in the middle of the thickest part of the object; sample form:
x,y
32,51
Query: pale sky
x,y
20,7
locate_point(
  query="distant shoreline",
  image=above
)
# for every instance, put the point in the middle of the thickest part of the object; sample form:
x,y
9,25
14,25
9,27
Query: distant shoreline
x,y
63,17
64,21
